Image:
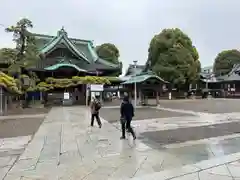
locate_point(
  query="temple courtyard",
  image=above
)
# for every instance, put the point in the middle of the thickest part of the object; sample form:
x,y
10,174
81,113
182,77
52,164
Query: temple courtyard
x,y
180,139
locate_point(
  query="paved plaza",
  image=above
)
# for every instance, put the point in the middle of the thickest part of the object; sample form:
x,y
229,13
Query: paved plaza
x,y
176,140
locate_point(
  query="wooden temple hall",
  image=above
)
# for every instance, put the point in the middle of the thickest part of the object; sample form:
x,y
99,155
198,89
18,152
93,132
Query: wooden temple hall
x,y
227,85
66,58
148,85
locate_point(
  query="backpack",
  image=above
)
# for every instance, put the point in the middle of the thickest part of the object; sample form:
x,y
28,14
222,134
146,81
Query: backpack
x,y
97,106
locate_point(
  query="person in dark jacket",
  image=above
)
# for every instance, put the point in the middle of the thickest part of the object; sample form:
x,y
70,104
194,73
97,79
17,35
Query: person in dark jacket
x,y
127,113
95,107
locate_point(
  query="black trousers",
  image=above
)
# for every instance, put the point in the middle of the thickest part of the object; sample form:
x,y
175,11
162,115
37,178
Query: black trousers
x,y
96,115
127,125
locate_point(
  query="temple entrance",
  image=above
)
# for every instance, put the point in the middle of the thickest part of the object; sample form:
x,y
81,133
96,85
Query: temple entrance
x,y
67,97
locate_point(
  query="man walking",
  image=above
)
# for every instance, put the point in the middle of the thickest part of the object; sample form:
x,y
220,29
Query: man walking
x,y
95,107
127,113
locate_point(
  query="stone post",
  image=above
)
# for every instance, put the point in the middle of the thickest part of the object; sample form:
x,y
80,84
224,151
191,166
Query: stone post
x,y
157,97
1,101
139,97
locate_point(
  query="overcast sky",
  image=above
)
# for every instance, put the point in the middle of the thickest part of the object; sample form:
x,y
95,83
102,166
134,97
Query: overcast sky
x,y
213,25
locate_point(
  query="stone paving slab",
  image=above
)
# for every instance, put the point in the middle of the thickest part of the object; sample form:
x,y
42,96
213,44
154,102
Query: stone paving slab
x,y
223,168
10,149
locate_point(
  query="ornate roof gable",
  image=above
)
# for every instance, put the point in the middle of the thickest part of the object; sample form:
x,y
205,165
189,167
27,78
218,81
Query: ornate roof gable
x,y
62,38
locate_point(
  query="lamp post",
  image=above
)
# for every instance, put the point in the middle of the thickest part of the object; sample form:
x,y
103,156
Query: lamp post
x,y
135,85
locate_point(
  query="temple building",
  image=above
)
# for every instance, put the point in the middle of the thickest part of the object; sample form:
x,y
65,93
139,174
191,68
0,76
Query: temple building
x,y
227,85
148,84
78,56
63,57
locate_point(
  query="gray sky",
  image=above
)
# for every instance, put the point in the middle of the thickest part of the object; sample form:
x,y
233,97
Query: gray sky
x,y
212,25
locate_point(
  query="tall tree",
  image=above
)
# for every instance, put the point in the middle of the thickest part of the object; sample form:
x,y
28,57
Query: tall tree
x,y
172,56
27,54
108,52
225,60
21,36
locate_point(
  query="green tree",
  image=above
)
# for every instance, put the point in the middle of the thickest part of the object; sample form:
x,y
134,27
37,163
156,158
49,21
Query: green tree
x,y
20,35
26,55
26,50
108,52
7,55
225,60
172,56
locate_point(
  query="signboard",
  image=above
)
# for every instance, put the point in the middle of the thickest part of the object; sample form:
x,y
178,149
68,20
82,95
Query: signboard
x,y
66,95
96,87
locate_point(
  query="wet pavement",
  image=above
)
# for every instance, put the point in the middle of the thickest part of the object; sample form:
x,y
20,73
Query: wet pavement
x,y
172,144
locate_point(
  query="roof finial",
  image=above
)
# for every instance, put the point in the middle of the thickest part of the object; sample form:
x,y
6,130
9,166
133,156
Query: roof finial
x,y
62,31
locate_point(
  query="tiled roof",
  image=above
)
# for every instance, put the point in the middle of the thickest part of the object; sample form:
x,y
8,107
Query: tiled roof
x,y
83,49
233,75
62,38
143,77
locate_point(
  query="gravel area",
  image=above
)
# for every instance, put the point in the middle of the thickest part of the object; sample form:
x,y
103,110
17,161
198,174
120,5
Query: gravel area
x,y
204,105
20,111
190,134
113,114
19,127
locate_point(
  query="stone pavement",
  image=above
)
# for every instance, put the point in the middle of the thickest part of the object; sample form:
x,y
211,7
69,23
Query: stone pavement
x,y
65,147
10,149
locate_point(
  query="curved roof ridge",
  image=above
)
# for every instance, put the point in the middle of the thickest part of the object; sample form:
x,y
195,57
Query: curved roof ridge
x,y
51,37
57,39
93,53
59,65
141,78
49,43
74,48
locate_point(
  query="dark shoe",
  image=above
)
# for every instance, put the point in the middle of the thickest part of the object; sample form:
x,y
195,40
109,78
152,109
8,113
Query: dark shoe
x,y
134,137
91,125
122,138
100,126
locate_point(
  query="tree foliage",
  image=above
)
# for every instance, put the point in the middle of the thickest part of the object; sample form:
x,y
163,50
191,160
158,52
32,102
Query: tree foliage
x,y
26,49
7,55
52,83
21,34
225,60
9,83
173,57
108,52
